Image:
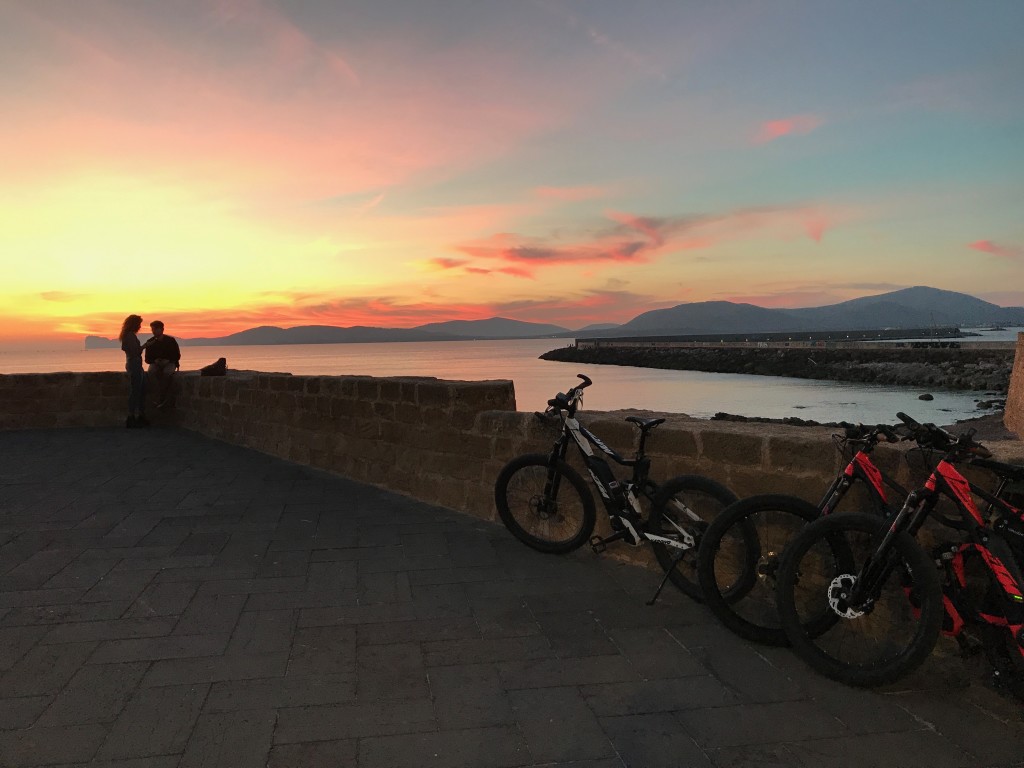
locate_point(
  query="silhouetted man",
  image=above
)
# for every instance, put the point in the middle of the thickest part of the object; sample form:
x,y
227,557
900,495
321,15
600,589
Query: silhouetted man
x,y
163,358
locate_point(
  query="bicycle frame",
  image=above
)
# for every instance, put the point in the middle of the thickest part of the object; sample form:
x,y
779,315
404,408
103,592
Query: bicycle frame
x,y
861,467
982,538
620,500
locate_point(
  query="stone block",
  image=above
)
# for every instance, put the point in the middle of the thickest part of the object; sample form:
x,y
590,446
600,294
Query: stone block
x,y
732,447
407,413
368,389
363,428
390,390
801,455
484,395
502,423
407,391
433,394
751,481
350,386
384,410
344,408
434,417
672,441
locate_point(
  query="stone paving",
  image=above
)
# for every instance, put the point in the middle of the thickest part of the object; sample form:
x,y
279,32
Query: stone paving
x,y
168,600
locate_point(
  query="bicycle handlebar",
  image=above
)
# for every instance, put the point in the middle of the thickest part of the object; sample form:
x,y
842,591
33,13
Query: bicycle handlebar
x,y
865,433
566,401
928,435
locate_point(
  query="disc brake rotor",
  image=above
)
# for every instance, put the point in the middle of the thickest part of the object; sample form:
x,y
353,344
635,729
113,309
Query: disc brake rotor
x,y
839,596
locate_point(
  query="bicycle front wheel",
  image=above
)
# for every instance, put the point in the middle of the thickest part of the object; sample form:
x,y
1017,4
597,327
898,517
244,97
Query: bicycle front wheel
x,y
738,563
682,510
875,637
545,505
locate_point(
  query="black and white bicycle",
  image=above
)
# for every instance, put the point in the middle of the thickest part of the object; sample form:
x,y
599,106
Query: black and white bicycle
x,y
547,504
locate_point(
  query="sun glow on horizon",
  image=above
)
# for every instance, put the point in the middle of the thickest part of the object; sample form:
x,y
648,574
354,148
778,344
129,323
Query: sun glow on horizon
x,y
232,164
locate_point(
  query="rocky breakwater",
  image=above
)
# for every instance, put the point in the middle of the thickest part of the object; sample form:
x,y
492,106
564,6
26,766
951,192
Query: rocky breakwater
x,y
983,370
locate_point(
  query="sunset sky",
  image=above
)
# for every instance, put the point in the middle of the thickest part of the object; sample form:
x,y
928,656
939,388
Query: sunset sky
x,y
233,163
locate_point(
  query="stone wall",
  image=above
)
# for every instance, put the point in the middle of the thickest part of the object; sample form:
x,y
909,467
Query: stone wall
x,y
48,400
443,442
417,436
1013,416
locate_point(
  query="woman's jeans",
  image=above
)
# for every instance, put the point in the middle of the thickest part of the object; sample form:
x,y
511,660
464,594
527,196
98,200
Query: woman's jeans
x,y
137,390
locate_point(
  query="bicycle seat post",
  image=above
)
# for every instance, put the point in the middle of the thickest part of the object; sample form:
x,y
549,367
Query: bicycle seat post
x,y
642,443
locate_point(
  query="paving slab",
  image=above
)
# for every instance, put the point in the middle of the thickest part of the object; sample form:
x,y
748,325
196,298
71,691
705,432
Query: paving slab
x,y
171,600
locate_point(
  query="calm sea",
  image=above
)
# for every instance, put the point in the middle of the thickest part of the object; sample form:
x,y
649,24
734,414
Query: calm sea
x,y
615,387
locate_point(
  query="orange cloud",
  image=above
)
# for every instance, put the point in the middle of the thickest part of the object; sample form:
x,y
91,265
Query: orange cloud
x,y
1002,251
796,125
570,310
446,263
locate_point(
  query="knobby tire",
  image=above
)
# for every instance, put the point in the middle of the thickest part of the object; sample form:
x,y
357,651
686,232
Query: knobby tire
x,y
707,499
555,526
738,562
904,621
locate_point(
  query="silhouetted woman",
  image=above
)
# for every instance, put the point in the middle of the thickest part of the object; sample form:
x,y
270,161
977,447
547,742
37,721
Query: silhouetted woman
x,y
136,377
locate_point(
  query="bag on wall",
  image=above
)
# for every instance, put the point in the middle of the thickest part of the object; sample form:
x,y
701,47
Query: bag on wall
x,y
219,368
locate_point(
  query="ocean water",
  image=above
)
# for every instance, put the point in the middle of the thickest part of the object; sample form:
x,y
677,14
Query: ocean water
x,y
615,387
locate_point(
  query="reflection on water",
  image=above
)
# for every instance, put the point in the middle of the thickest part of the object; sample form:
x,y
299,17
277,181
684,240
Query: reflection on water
x,y
615,387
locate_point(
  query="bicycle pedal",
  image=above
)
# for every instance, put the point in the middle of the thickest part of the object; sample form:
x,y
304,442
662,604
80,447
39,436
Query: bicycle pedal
x,y
598,545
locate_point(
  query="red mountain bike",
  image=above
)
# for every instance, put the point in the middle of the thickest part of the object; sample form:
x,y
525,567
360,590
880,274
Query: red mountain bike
x,y
737,571
864,603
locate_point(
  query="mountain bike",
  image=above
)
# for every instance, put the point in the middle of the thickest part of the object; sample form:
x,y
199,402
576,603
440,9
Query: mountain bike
x,y
736,571
885,602
547,505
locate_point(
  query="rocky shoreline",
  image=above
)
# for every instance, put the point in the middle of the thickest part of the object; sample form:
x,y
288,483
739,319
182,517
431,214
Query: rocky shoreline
x,y
983,370
987,427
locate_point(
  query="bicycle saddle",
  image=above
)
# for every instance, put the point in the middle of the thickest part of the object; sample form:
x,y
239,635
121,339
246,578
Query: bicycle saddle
x,y
644,424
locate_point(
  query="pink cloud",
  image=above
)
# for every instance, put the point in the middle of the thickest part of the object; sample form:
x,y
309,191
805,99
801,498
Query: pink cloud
x,y
1002,251
250,101
572,194
530,255
641,239
815,225
789,126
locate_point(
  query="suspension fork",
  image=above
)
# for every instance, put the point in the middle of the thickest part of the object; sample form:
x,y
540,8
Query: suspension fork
x,y
834,495
558,453
879,564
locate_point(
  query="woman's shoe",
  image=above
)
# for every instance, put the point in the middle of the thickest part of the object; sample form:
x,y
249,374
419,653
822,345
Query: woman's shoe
x,y
130,422
142,421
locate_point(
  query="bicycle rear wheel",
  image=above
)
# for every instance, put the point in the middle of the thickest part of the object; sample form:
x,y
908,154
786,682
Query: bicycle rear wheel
x,y
877,639
683,508
738,563
546,506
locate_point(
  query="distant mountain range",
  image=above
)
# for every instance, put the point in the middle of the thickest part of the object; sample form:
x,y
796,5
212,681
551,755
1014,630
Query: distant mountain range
x,y
918,307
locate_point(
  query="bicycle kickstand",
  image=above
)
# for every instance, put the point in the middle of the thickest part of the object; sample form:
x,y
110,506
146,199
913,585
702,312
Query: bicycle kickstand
x,y
668,573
